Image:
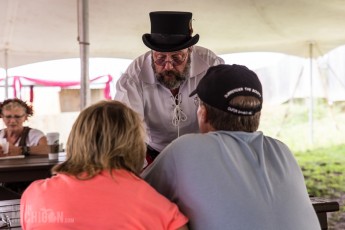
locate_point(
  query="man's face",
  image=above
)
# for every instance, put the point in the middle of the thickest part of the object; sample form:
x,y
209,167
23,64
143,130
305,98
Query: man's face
x,y
171,68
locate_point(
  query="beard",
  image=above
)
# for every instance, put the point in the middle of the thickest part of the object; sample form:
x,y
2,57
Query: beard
x,y
172,79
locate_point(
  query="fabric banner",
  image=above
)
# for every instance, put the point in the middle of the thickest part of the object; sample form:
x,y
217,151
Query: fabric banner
x,y
17,84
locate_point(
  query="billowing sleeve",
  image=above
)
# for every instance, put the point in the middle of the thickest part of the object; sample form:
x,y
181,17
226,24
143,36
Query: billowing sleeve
x,y
208,56
219,60
129,91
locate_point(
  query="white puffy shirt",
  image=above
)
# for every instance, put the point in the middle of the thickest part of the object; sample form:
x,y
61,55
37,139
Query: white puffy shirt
x,y
139,89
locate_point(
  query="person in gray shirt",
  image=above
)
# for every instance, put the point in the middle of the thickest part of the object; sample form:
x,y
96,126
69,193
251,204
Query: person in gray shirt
x,y
231,176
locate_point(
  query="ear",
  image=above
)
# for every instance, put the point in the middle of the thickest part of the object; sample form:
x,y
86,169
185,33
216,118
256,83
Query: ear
x,y
204,125
203,114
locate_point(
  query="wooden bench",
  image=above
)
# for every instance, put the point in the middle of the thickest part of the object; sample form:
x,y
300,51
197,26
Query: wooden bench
x,y
322,206
10,211
10,214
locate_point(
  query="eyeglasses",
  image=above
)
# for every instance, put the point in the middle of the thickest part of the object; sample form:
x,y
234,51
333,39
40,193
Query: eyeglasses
x,y
176,60
16,117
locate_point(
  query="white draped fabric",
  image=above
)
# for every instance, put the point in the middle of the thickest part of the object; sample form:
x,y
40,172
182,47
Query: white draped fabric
x,y
40,30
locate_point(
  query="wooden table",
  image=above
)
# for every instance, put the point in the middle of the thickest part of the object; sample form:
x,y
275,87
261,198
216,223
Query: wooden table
x,y
27,169
322,206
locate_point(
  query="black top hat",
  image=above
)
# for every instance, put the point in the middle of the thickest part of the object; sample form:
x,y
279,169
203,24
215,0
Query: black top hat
x,y
170,31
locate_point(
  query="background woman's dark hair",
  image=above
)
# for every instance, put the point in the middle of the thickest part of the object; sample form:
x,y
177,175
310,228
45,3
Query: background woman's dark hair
x,y
7,104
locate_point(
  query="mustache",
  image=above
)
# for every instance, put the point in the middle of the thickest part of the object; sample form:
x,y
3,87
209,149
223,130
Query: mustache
x,y
169,72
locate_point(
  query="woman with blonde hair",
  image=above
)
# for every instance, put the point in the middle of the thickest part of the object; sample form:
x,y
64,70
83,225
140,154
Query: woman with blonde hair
x,y
98,186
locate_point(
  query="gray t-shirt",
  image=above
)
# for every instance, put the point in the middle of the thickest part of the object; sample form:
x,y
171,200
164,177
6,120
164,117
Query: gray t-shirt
x,y
234,180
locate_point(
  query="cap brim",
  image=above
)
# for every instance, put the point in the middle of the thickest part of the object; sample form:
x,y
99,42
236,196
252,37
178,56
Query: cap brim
x,y
193,93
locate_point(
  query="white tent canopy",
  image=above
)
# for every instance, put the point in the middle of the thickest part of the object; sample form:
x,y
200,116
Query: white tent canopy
x,y
40,30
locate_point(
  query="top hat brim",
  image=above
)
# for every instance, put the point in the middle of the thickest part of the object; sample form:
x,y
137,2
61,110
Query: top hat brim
x,y
159,47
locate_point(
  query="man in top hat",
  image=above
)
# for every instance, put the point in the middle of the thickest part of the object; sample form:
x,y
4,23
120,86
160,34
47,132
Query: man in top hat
x,y
231,176
158,83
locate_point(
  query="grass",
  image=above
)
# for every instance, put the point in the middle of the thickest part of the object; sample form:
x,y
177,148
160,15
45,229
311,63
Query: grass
x,y
326,165
324,172
319,148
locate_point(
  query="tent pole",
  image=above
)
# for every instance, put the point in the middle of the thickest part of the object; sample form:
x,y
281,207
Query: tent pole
x,y
83,38
311,100
290,101
6,72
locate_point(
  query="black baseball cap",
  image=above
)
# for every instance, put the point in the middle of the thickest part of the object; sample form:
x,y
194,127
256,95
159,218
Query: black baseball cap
x,y
223,82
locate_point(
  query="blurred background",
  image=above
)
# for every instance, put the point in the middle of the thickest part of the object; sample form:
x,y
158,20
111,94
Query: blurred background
x,y
54,52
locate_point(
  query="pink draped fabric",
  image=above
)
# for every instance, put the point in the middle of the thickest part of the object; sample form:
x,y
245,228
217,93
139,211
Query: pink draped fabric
x,y
17,84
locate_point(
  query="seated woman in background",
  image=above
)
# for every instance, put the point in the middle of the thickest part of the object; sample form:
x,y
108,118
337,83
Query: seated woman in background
x,y
22,139
98,186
